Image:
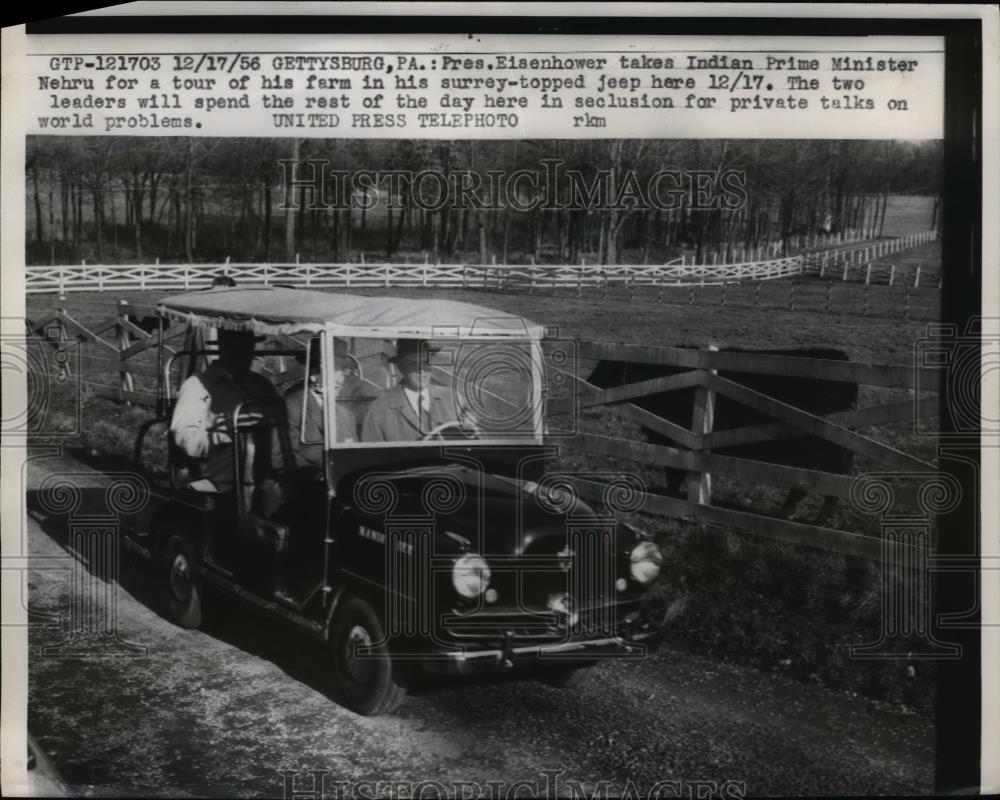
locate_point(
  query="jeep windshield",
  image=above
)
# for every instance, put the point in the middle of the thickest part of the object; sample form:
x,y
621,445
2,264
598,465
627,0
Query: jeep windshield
x,y
413,390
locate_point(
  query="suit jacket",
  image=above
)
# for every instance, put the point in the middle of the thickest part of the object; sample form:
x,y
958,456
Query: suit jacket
x,y
307,453
391,418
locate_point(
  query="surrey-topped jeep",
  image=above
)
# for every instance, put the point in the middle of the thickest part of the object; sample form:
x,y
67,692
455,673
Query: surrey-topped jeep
x,y
392,500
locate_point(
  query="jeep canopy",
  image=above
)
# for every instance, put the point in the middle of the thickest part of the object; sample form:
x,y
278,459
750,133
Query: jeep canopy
x,y
276,310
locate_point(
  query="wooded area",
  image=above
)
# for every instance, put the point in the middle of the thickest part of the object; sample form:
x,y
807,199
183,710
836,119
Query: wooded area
x,y
126,200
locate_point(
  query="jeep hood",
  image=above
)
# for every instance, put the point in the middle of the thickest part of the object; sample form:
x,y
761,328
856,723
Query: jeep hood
x,y
493,513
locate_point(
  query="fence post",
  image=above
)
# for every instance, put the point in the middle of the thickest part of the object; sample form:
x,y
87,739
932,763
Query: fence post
x,y
916,279
128,382
756,295
867,298
846,264
906,301
868,274
702,422
892,273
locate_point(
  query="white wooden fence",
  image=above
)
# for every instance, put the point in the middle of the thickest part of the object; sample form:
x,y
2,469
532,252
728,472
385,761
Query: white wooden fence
x,y
840,263
832,264
123,277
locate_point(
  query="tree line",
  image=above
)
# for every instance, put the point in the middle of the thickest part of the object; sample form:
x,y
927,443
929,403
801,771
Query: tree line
x,y
186,199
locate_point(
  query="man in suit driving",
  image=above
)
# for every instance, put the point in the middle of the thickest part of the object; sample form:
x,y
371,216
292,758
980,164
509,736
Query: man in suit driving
x,y
413,407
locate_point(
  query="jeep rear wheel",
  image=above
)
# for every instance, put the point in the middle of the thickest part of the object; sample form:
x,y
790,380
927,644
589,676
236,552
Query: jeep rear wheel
x,y
183,587
368,680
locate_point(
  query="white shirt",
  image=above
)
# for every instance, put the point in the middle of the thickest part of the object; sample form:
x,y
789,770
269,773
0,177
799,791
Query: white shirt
x,y
418,400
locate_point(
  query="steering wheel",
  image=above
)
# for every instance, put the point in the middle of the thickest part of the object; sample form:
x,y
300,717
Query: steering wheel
x,y
470,429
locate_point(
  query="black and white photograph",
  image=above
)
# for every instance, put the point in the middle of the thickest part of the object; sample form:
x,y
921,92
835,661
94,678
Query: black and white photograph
x,y
575,418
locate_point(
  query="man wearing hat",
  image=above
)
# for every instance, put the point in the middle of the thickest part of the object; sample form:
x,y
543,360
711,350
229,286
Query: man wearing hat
x,y
201,425
415,406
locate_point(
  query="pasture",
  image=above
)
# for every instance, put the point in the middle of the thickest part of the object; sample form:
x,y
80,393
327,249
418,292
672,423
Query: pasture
x,y
906,214
779,607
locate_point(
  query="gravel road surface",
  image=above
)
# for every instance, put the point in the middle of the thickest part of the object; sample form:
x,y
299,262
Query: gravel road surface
x,y
227,711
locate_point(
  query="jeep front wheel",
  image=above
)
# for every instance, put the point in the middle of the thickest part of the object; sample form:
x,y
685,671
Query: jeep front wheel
x,y
368,680
183,588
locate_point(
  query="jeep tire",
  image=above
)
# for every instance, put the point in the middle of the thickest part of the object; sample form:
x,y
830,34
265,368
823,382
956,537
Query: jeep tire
x,y
368,682
181,582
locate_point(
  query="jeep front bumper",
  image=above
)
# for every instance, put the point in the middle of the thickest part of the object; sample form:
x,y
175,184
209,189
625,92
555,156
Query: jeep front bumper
x,y
475,659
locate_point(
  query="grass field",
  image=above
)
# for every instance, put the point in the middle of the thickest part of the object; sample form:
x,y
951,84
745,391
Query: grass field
x,y
777,606
908,214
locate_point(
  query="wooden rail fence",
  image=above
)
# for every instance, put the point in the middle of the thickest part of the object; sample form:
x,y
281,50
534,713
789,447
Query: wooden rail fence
x,y
121,361
839,262
130,277
693,450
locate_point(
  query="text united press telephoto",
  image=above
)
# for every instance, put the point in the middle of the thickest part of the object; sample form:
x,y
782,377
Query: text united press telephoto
x,y
509,414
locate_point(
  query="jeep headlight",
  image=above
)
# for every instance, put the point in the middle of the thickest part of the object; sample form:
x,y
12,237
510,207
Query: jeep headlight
x,y
470,575
645,562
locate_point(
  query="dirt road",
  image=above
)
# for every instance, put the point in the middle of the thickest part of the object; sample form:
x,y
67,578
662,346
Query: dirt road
x,y
226,711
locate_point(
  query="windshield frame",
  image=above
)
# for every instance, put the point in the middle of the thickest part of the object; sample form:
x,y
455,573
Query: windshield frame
x,y
449,336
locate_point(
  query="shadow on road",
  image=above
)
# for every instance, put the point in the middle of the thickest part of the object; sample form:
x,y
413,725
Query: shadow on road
x,y
301,658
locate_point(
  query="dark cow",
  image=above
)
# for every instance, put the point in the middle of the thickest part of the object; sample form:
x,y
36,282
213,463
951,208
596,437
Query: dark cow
x,y
814,395
151,323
